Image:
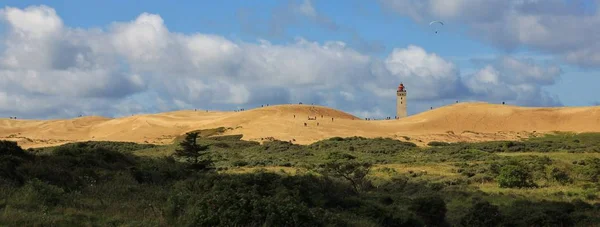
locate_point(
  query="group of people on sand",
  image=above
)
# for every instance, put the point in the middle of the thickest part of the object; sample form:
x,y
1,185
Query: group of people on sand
x,y
386,118
12,117
314,118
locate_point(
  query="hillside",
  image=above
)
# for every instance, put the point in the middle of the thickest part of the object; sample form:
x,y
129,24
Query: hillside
x,y
458,122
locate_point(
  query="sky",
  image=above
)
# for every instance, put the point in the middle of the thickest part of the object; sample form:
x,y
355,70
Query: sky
x,y
62,59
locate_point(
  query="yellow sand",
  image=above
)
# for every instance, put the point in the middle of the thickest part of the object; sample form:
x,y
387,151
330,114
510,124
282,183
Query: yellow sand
x,y
458,122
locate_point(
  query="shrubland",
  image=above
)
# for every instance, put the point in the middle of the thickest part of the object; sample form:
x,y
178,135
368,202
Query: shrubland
x,y
208,180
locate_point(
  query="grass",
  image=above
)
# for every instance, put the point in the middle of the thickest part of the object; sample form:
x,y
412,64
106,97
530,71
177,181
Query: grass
x,y
558,156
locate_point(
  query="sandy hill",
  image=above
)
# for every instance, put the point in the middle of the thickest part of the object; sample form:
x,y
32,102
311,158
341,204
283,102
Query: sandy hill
x,y
458,122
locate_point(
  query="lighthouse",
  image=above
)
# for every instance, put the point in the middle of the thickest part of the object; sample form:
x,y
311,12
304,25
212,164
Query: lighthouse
x,y
401,102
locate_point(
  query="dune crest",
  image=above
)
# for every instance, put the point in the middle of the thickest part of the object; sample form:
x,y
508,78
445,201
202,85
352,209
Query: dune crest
x,y
457,122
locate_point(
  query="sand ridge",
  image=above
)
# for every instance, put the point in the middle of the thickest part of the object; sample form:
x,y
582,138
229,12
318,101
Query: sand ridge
x,y
457,122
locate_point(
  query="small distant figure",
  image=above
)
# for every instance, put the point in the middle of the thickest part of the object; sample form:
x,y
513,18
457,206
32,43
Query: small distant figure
x,y
304,124
502,103
317,123
321,116
194,110
294,115
300,103
431,108
207,111
332,119
456,101
267,104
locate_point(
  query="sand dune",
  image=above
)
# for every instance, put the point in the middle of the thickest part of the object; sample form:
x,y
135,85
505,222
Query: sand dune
x,y
458,122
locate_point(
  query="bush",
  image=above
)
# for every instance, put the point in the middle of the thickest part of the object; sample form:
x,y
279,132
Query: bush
x,y
240,163
482,213
430,209
513,176
36,192
437,144
10,148
590,169
560,176
108,145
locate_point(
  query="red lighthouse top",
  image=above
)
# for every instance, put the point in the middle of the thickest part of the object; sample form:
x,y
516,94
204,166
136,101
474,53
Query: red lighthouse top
x,y
401,87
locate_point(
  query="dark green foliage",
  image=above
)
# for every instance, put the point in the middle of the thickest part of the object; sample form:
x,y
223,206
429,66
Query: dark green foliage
x,y
277,146
226,138
203,133
352,171
560,176
38,193
364,145
192,151
10,148
437,144
590,169
482,213
108,145
11,157
252,200
71,168
159,171
583,142
527,213
514,176
339,156
103,184
430,209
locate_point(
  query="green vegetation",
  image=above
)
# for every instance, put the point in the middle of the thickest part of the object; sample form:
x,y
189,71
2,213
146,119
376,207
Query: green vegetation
x,y
205,179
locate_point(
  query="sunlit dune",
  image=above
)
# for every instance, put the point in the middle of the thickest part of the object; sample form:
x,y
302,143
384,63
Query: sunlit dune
x,y
458,122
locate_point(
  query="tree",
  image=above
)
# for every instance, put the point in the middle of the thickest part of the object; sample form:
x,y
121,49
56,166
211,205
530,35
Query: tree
x,y
352,171
192,151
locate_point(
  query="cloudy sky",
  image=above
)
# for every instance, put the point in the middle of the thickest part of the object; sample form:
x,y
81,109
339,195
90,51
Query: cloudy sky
x,y
62,59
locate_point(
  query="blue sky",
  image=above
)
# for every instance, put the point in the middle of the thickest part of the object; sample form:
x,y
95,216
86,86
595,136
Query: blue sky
x,y
69,58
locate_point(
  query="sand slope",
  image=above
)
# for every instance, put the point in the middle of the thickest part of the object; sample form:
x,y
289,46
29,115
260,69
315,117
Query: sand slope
x,y
458,122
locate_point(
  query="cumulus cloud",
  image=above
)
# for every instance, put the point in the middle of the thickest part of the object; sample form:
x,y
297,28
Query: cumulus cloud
x,y
430,76
48,69
517,81
566,28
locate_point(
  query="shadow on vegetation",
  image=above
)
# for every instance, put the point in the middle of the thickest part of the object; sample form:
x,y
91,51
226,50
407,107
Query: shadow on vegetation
x,y
107,184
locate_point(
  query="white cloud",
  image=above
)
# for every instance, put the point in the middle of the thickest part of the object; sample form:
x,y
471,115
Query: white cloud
x,y
426,75
518,81
49,69
566,28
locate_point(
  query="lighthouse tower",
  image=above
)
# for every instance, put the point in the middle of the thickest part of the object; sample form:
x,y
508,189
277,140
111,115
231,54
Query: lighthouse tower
x,y
401,102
